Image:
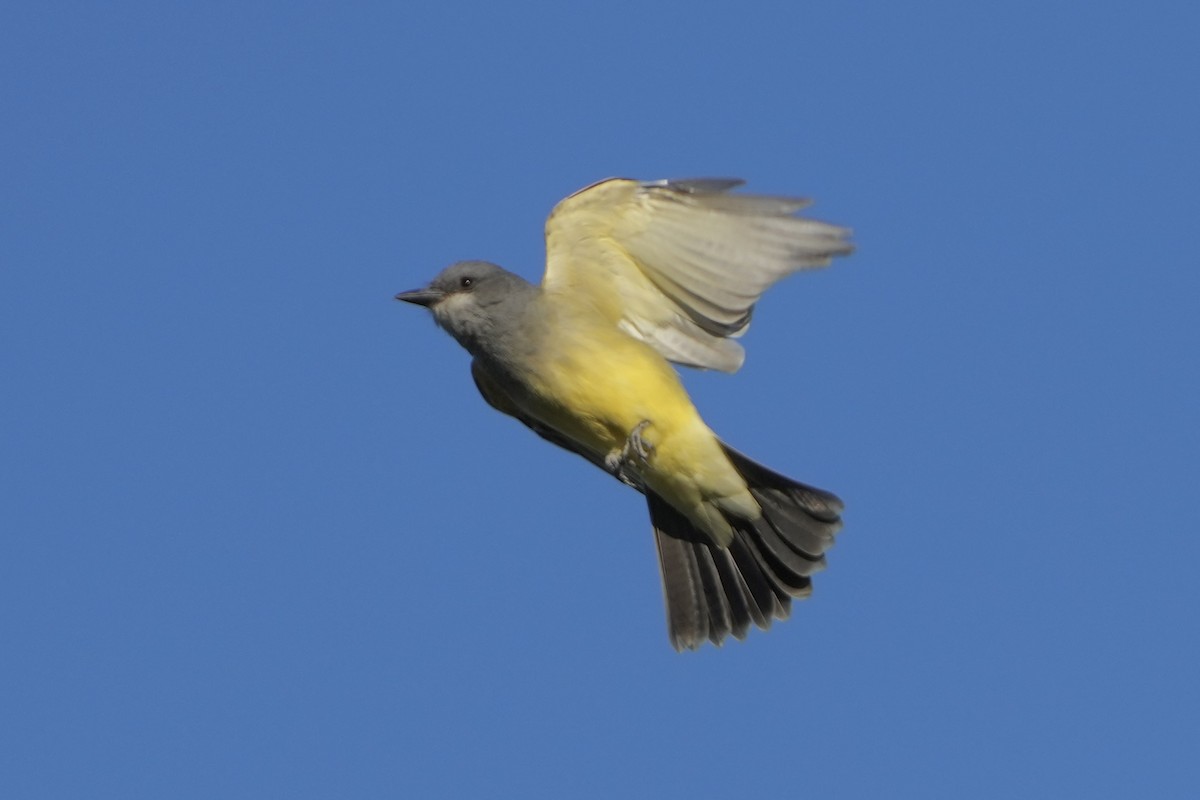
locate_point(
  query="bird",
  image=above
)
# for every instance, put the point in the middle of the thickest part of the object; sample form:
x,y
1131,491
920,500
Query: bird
x,y
641,276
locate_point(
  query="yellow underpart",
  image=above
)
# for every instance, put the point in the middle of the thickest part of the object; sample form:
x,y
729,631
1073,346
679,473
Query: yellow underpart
x,y
596,384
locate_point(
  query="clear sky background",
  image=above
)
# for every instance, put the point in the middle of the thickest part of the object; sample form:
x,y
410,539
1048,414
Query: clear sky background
x,y
261,538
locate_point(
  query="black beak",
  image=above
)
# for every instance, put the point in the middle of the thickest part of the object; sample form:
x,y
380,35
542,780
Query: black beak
x,y
422,297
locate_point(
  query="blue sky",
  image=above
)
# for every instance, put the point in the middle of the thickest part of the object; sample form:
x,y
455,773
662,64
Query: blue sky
x,y
260,537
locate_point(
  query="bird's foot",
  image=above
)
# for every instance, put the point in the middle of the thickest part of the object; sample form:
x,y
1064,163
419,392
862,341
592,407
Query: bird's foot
x,y
619,460
635,445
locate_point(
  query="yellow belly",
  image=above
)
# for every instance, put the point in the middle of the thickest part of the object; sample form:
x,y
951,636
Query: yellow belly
x,y
596,384
599,383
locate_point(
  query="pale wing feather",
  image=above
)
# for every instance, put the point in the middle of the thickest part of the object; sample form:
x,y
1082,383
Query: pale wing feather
x,y
680,264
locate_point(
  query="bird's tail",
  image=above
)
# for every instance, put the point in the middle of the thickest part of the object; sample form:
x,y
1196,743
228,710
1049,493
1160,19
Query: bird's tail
x,y
712,591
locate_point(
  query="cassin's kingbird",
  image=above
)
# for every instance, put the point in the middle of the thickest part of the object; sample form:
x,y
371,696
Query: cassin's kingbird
x,y
639,274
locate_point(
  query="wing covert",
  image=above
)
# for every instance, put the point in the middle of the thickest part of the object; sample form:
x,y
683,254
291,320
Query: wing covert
x,y
680,264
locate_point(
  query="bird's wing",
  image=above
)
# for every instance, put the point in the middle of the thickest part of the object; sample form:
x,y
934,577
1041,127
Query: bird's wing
x,y
680,264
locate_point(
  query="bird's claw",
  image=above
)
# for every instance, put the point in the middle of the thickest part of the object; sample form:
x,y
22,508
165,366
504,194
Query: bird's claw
x,y
635,447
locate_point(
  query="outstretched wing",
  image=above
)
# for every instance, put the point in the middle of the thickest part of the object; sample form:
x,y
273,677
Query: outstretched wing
x,y
680,264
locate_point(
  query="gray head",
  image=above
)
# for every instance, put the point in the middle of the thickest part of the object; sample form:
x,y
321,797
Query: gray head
x,y
474,301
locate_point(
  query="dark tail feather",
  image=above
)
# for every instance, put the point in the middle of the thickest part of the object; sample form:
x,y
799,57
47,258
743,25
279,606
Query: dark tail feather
x,y
712,592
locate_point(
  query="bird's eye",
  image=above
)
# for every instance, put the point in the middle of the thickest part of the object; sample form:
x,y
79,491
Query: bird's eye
x,y
465,283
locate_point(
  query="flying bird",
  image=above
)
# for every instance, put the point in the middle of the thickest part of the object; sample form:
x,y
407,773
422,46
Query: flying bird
x,y
639,275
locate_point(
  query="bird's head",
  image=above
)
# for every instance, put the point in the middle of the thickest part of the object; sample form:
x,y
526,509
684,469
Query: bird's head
x,y
471,300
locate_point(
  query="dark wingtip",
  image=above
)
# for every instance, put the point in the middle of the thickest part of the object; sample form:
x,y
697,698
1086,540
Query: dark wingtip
x,y
698,185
